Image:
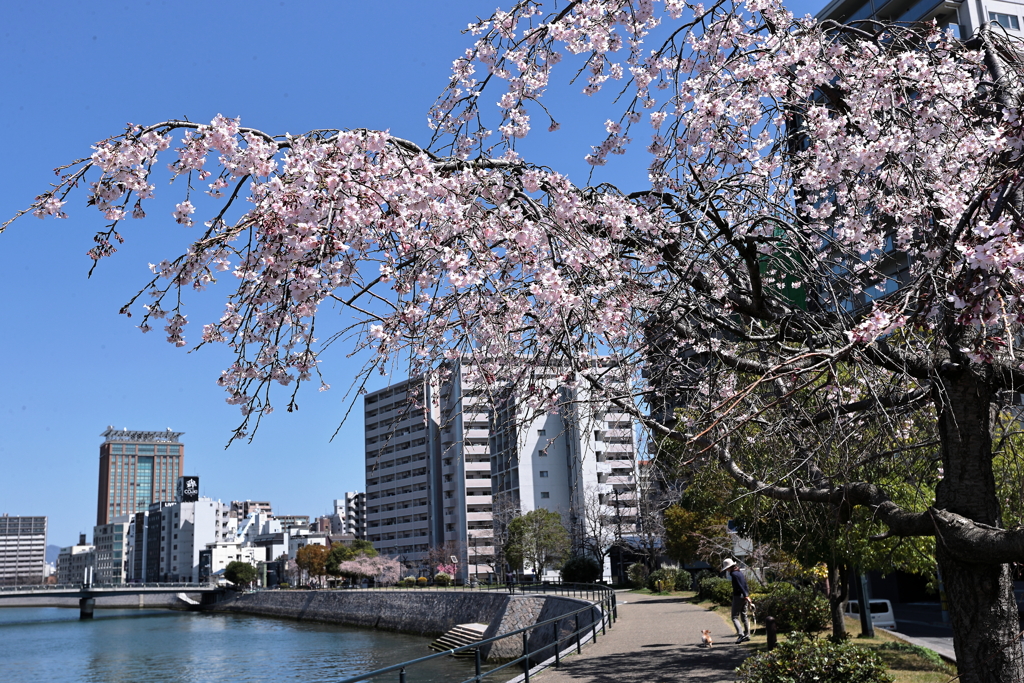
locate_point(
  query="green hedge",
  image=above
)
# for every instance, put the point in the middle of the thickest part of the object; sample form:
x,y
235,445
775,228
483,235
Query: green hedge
x,y
684,580
717,590
802,659
794,609
666,577
637,574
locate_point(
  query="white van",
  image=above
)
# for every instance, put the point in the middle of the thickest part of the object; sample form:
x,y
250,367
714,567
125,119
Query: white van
x,y
882,615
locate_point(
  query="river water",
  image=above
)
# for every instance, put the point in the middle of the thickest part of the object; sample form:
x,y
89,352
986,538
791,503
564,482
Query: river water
x,y
50,644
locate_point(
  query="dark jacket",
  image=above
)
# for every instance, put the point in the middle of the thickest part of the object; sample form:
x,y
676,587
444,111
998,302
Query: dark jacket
x,y
739,583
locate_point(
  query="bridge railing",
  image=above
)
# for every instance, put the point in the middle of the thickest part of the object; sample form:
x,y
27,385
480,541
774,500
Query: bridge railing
x,y
54,587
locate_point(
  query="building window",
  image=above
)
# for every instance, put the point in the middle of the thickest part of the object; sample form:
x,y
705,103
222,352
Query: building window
x,y
1005,20
542,432
543,474
545,494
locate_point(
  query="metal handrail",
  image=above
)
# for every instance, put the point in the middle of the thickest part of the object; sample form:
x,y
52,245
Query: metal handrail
x,y
102,586
604,604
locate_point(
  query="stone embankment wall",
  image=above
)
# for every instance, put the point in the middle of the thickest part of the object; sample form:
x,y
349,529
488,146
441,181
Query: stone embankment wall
x,y
526,610
427,612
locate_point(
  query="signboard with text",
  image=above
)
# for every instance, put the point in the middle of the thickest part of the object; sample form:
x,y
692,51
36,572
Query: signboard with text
x,y
188,489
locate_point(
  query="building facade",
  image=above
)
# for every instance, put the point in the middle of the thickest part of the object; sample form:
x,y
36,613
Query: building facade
x,y
963,18
444,467
75,563
137,469
351,512
244,508
111,550
22,550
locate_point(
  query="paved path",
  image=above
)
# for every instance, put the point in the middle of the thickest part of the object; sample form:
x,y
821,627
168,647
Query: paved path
x,y
656,639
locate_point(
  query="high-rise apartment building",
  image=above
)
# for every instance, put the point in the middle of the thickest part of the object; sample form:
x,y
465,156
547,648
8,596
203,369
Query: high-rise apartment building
x,y
963,18
137,469
400,446
22,550
351,510
443,466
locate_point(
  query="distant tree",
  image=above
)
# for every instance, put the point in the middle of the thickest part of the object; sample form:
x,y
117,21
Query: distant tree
x,y
312,559
240,573
581,569
538,538
442,554
341,552
598,530
384,570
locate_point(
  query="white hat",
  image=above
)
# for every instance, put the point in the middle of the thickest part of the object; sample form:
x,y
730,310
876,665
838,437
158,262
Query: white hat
x,y
728,564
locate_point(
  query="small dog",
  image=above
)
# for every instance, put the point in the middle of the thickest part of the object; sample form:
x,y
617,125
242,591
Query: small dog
x,y
705,639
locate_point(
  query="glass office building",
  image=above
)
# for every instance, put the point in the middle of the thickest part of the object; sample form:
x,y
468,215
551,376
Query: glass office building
x,y
137,469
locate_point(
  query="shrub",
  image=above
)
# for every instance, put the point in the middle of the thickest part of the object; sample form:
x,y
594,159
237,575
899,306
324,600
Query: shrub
x,y
409,581
581,569
684,580
802,659
421,582
442,579
637,574
716,590
794,609
666,577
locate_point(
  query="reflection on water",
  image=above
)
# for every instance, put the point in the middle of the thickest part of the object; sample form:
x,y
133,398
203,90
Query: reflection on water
x,y
50,644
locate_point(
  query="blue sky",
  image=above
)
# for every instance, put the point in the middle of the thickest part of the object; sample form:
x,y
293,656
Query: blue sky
x,y
74,73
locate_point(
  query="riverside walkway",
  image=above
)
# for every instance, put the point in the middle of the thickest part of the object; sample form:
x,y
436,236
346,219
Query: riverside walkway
x,y
655,639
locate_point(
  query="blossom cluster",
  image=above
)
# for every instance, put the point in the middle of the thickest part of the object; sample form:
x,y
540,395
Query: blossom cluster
x,y
786,161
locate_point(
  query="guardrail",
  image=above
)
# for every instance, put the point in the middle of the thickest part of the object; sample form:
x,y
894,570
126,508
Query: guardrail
x,y
603,612
103,586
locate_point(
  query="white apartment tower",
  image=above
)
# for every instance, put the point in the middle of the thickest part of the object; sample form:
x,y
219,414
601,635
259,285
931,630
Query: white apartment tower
x,y
443,465
350,512
22,549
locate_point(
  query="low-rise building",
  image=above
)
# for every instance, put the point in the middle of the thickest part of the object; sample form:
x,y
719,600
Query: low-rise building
x,y
75,563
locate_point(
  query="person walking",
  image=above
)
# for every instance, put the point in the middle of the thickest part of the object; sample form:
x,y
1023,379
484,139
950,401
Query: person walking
x,y
740,600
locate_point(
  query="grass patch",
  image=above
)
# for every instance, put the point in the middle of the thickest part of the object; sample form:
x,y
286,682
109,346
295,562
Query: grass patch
x,y
907,663
664,594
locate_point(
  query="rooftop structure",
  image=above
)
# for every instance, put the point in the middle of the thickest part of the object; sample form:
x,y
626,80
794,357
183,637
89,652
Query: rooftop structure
x,y
137,468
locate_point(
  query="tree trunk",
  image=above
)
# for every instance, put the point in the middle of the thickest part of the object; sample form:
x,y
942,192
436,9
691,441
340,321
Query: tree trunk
x,y
838,588
982,608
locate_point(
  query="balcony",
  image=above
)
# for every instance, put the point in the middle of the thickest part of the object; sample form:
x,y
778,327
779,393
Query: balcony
x,y
618,448
476,517
478,466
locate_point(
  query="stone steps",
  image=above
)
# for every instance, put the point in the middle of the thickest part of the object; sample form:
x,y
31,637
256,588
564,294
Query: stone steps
x,y
463,634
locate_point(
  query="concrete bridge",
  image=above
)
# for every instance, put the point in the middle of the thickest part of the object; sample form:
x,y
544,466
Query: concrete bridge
x,y
87,593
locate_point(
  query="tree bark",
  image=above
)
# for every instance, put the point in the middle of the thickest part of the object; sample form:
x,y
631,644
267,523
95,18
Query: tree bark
x,y
982,608
838,589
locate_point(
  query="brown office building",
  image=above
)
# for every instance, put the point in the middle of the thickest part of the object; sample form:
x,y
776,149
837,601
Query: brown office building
x,y
136,470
